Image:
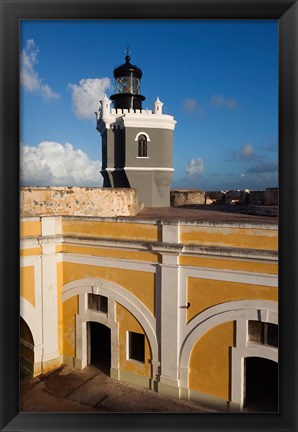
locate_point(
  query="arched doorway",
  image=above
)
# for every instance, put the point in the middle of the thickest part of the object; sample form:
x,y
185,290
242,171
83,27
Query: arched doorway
x,y
26,350
261,385
99,346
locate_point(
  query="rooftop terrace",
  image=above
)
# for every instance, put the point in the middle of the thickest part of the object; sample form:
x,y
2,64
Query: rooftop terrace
x,y
204,213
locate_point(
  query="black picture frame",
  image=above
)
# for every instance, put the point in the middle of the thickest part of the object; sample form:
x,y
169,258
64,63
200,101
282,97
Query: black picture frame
x,y
286,12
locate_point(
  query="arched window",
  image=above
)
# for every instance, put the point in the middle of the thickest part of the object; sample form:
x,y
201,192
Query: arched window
x,y
142,146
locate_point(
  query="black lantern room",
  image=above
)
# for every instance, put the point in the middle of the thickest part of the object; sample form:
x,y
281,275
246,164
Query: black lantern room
x,y
128,86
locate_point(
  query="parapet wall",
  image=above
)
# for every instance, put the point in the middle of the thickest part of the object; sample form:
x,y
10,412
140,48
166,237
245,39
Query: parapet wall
x,y
180,197
132,111
268,197
78,201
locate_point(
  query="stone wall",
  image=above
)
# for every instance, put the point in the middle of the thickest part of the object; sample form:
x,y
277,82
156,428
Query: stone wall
x,y
262,210
268,197
237,196
257,197
215,197
78,201
180,197
271,197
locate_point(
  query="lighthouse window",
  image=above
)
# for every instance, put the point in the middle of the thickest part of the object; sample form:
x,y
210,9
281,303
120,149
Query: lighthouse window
x,y
128,85
142,146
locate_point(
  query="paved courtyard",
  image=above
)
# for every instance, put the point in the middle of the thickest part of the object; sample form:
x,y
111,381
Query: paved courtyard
x,y
91,390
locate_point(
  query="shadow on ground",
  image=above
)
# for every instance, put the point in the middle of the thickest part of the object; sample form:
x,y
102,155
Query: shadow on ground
x,y
91,390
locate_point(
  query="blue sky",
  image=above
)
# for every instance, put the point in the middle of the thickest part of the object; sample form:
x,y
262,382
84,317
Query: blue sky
x,y
219,79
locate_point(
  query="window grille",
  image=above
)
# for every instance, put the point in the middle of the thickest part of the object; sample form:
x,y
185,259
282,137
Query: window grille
x,y
263,333
98,302
142,146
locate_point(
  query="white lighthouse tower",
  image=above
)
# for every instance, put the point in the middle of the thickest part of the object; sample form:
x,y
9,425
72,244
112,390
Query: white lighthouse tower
x,y
137,144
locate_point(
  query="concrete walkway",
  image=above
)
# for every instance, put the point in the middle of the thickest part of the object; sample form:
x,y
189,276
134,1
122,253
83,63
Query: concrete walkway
x,y
90,390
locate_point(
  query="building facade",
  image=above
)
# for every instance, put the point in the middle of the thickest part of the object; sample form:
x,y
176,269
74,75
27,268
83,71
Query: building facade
x,y
137,144
185,308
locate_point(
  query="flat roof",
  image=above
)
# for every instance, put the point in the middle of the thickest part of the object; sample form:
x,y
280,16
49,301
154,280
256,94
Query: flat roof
x,y
206,213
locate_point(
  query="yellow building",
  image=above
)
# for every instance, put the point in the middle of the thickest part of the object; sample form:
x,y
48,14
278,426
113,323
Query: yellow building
x,y
185,307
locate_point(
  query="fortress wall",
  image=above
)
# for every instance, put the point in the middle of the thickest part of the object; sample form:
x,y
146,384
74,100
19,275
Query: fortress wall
x,y
180,197
78,201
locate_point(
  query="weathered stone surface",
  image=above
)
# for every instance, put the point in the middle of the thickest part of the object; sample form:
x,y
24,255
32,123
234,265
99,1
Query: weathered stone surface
x,y
180,197
263,210
246,197
257,197
78,201
215,197
237,197
271,197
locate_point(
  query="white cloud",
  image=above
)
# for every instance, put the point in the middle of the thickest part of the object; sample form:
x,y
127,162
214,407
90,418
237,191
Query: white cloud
x,y
195,167
29,77
55,164
246,153
48,93
195,170
219,101
86,95
190,105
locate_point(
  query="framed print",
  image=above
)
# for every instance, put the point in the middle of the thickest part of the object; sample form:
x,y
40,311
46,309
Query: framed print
x,y
187,293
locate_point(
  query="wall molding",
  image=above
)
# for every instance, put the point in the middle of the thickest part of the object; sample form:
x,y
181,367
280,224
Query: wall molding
x,y
229,311
142,133
242,277
116,293
109,262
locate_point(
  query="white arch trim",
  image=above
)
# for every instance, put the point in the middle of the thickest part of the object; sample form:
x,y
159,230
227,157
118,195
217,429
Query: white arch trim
x,y
264,310
239,354
123,297
85,316
142,133
29,314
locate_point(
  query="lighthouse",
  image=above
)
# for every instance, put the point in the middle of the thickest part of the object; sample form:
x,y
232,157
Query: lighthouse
x,y
137,143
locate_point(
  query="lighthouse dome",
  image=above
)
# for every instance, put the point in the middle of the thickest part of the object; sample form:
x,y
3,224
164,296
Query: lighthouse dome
x,y
128,86
127,69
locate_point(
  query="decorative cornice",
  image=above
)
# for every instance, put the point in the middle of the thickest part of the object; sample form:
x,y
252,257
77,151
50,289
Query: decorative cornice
x,y
156,247
129,118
